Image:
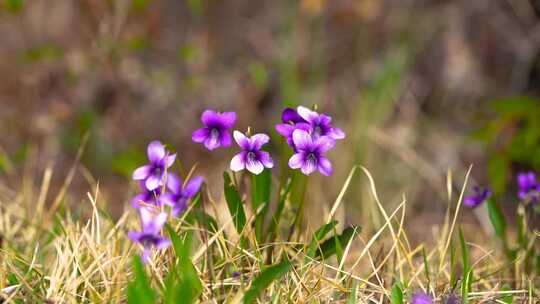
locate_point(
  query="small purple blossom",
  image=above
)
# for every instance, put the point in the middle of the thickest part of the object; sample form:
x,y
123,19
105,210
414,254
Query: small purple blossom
x,y
479,195
321,124
251,157
215,133
421,297
310,153
146,196
178,195
153,173
529,187
150,235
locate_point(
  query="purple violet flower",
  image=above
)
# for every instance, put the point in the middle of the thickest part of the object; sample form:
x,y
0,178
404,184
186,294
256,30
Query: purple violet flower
x,y
321,124
310,153
251,157
529,187
215,133
479,195
150,197
150,235
178,195
421,297
153,173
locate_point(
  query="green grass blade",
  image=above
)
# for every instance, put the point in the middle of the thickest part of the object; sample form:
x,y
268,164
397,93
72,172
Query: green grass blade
x,y
318,236
467,271
496,217
260,198
234,202
330,247
139,290
397,294
264,279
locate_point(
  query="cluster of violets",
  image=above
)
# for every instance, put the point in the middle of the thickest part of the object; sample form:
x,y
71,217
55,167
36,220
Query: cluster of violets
x,y
307,132
159,188
528,191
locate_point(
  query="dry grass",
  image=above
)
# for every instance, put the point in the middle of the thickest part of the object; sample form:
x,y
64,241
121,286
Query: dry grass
x,y
65,257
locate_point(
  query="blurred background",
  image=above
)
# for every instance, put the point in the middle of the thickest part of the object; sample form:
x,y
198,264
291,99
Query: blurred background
x,y
420,87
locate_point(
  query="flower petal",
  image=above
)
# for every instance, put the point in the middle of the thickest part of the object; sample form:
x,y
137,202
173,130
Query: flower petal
x,y
212,142
290,116
254,166
137,199
302,140
154,181
258,140
296,161
285,129
142,172
225,139
146,216
265,159
337,133
325,166
179,208
307,114
169,160
238,162
227,119
174,183
192,187
241,140
210,118
325,143
200,135
162,243
135,236
168,199
155,151
308,166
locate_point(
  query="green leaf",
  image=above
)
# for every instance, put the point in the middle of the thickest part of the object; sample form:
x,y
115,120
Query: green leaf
x,y
515,106
496,217
264,279
139,290
14,6
498,170
330,247
260,198
467,271
319,235
190,287
397,294
508,298
354,294
234,202
276,217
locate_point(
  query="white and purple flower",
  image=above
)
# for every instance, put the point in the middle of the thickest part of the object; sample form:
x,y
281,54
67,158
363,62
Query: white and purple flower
x,y
529,187
150,235
154,173
321,124
479,196
215,133
310,152
178,195
252,157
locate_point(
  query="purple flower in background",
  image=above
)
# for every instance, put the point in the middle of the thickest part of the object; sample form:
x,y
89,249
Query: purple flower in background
x,y
420,297
147,196
291,121
178,195
149,236
251,157
215,133
528,186
310,153
153,173
479,195
321,124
